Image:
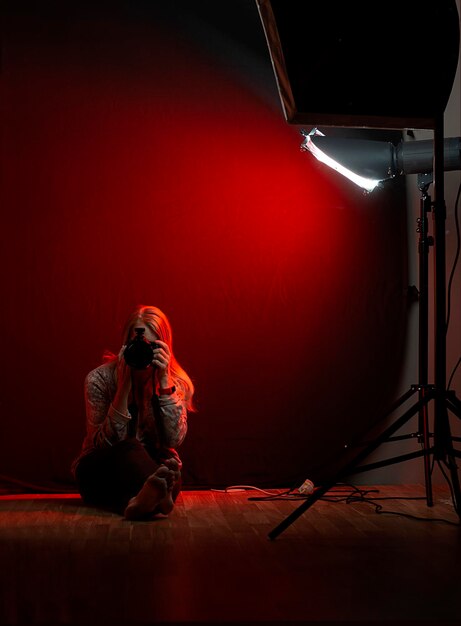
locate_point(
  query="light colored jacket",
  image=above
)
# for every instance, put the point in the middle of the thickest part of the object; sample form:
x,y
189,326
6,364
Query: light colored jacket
x,y
161,423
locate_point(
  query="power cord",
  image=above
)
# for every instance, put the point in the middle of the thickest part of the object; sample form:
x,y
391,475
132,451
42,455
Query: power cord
x,y
452,274
452,493
341,493
269,495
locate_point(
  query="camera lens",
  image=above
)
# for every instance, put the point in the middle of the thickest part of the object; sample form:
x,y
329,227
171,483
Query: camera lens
x,y
139,353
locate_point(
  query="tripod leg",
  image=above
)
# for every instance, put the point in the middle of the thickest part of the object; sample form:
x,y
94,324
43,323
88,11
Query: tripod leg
x,y
349,468
318,493
424,430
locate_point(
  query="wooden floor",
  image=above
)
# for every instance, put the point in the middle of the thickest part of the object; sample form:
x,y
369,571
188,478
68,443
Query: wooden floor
x,y
211,562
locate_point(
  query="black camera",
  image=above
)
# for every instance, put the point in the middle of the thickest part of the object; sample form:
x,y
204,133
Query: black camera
x,y
139,352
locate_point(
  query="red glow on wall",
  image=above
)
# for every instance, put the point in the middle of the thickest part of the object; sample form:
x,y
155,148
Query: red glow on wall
x,y
140,171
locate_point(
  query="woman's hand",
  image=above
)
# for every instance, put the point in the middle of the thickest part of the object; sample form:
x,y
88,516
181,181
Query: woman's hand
x,y
161,362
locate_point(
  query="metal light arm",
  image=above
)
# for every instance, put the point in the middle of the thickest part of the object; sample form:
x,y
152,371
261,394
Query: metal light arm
x,y
368,163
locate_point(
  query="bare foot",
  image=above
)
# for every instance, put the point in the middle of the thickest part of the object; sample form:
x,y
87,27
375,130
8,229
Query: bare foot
x,y
166,505
151,495
175,473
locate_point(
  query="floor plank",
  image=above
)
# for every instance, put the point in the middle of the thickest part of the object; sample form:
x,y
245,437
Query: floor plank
x,y
211,561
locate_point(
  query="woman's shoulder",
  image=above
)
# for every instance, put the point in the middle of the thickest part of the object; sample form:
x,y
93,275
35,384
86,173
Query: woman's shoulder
x,y
102,373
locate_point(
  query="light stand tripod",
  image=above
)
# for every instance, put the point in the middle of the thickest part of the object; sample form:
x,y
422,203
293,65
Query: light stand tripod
x,y
442,449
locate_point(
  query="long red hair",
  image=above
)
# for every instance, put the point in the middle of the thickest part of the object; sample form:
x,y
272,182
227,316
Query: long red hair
x,y
158,323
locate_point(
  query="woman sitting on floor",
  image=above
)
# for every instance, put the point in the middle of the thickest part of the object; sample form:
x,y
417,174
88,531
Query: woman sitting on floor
x,y
136,417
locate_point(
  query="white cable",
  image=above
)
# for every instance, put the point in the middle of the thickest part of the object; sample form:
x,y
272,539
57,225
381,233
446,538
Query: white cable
x,y
243,488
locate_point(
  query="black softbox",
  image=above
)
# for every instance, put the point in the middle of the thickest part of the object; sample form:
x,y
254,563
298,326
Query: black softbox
x,y
362,64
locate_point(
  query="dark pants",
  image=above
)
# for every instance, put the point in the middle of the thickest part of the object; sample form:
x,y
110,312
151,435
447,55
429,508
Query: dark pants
x,y
109,477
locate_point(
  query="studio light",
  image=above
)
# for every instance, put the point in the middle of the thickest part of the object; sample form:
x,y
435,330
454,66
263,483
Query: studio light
x,y
355,70
369,163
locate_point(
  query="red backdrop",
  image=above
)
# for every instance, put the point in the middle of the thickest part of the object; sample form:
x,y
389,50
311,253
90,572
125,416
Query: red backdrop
x,y
138,169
